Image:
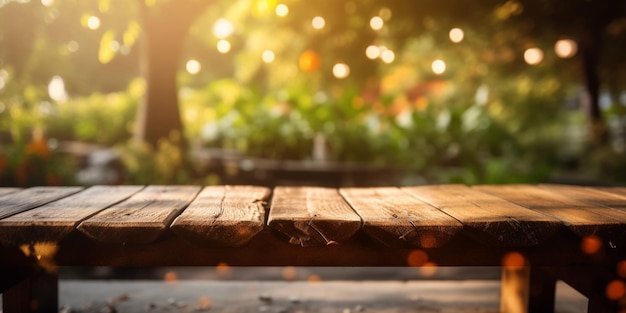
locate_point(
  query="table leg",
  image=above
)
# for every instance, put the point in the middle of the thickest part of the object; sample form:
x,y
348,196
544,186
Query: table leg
x,y
542,291
37,293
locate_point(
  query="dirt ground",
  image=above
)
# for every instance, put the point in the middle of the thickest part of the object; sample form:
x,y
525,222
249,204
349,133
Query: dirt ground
x,y
292,297
291,290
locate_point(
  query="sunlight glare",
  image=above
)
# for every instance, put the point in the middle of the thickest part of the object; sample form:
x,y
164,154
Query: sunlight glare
x,y
533,56
439,67
341,70
456,35
193,67
223,46
377,23
565,48
282,10
47,3
93,22
223,28
318,22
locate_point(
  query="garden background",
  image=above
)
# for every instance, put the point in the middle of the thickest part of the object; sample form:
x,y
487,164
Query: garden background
x,y
199,91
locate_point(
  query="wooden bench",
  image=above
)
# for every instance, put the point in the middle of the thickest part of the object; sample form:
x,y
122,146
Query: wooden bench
x,y
538,234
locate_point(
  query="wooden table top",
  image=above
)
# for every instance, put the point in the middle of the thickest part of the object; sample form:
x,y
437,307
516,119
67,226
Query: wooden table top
x,y
230,216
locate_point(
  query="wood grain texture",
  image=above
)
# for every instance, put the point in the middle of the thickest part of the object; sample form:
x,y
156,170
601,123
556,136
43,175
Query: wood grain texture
x,y
24,200
499,221
582,218
621,191
397,219
605,203
8,190
312,216
223,216
141,219
55,220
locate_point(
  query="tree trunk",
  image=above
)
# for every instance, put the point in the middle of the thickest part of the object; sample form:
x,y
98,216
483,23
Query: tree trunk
x,y
164,29
591,47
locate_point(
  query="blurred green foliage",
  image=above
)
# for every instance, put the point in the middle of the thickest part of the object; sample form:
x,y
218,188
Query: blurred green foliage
x,y
489,118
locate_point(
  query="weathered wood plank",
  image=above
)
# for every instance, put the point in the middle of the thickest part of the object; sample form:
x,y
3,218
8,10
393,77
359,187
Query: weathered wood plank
x,y
224,216
312,216
580,217
396,218
487,216
17,202
8,190
141,219
615,190
53,221
605,203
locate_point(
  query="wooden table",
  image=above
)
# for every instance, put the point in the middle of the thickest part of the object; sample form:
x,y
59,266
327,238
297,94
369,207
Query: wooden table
x,y
538,234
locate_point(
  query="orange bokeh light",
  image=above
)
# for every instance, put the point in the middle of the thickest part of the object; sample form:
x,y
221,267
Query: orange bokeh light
x,y
289,273
591,245
171,277
615,290
223,269
309,61
514,260
417,258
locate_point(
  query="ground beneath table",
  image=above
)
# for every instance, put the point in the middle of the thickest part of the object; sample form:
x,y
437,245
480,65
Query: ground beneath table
x,y
298,297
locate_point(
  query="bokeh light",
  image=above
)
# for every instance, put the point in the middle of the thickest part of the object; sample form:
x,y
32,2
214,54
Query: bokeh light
x,y
514,260
223,46
193,67
170,277
72,46
93,22
417,258
268,56
615,290
565,48
56,89
47,3
456,35
223,269
289,273
591,245
388,56
309,61
372,52
318,22
223,28
282,10
377,23
533,56
341,70
438,67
